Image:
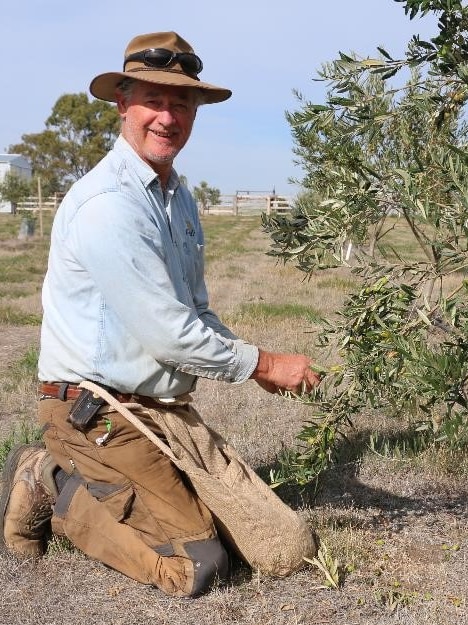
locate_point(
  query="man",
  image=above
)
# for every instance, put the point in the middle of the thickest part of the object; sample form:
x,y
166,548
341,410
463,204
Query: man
x,y
125,306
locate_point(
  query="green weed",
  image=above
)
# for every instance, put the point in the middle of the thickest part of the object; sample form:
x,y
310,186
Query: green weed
x,y
22,267
395,597
13,316
58,545
328,566
261,311
401,444
9,226
24,433
23,369
336,282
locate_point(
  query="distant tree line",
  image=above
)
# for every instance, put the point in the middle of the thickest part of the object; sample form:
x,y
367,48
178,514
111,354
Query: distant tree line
x,y
78,133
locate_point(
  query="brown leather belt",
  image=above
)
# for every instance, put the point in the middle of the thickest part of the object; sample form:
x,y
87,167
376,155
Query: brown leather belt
x,y
65,391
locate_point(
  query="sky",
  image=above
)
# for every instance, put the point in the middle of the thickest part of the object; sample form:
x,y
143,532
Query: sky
x,y
260,49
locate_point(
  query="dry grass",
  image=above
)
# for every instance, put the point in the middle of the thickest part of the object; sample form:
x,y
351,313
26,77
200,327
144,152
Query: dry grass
x,y
399,527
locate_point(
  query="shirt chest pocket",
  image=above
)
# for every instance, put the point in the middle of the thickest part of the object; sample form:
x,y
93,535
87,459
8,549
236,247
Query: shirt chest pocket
x,y
192,258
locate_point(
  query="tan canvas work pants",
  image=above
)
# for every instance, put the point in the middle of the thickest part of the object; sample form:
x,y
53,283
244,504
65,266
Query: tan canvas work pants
x,y
127,505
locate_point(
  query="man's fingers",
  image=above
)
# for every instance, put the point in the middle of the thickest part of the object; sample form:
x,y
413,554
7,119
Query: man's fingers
x,y
296,373
310,380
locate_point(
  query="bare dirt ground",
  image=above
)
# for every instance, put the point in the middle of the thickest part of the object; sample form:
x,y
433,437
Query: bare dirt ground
x,y
399,529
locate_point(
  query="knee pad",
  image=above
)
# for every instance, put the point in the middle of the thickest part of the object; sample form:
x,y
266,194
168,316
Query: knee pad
x,y
210,563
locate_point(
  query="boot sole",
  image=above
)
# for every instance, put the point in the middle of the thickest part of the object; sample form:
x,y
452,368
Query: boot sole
x,y
8,474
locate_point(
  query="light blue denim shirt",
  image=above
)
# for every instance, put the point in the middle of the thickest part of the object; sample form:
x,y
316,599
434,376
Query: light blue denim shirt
x,y
124,297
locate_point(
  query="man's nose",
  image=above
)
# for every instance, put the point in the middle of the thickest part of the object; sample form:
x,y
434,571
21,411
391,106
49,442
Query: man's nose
x,y
165,116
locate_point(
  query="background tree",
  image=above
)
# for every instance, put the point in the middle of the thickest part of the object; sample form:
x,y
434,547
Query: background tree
x,y
78,134
369,150
206,196
14,189
214,196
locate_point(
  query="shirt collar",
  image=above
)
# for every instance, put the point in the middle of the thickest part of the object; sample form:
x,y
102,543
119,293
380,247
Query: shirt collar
x,y
146,174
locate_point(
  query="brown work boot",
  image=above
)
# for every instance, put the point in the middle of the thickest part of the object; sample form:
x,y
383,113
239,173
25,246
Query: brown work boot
x,y
28,493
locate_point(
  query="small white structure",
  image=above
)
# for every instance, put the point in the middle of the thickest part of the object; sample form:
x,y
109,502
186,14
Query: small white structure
x,y
13,164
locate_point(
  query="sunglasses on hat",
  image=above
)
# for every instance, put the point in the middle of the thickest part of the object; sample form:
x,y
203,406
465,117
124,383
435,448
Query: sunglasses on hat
x,y
161,58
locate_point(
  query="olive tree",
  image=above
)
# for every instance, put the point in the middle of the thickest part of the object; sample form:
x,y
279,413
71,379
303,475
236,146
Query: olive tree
x,y
370,151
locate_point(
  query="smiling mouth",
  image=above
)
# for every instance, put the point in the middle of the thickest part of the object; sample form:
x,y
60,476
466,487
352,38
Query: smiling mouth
x,y
162,135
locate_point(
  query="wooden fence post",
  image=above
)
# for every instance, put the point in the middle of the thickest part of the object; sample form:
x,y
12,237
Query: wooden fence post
x,y
39,201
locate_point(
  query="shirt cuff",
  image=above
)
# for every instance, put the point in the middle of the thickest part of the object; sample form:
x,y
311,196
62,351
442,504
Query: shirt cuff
x,y
246,356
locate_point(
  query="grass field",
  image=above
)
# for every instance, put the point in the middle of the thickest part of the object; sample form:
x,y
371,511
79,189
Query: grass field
x,y
395,518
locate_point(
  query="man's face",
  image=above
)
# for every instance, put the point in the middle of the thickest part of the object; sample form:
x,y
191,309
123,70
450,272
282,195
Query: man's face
x,y
158,120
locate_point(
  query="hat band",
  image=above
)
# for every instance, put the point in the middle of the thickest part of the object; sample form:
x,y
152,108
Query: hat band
x,y
161,69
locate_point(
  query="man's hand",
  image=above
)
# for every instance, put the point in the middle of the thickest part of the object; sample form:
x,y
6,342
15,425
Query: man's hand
x,y
285,372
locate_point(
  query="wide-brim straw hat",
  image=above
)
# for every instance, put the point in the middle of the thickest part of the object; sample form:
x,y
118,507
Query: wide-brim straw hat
x,y
104,86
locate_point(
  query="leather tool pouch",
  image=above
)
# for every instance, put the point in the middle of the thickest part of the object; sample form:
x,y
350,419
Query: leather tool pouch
x,y
84,409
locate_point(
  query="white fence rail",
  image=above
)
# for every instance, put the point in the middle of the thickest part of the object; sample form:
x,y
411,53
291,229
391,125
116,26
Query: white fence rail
x,y
34,203
239,204
250,204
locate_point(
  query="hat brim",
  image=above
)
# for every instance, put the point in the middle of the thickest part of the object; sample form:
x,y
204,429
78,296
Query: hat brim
x,y
104,86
